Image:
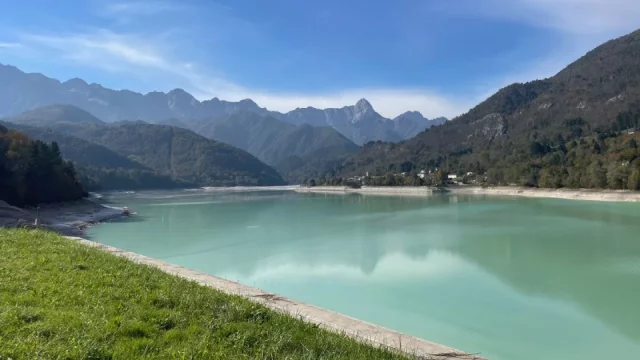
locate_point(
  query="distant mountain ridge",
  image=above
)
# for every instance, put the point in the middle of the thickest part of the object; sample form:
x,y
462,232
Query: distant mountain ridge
x,y
21,92
411,123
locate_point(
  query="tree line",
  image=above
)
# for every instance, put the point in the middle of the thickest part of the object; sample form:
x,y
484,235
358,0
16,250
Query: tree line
x,y
33,172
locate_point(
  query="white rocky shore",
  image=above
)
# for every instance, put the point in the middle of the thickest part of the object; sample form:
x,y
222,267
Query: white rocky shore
x,y
69,218
569,194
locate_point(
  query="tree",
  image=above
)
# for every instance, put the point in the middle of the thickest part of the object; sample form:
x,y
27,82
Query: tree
x,y
32,172
441,176
597,176
389,179
617,176
550,178
634,180
55,150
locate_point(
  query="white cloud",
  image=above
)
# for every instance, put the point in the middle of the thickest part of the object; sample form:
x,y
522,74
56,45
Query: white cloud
x,y
10,45
578,17
103,49
582,16
131,8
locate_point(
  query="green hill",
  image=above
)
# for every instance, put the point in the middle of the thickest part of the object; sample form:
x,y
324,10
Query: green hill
x,y
58,115
80,151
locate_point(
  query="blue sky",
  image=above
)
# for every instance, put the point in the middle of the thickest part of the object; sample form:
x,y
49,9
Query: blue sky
x,y
440,57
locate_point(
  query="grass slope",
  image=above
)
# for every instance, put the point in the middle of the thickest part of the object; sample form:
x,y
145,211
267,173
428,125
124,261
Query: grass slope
x,y
62,300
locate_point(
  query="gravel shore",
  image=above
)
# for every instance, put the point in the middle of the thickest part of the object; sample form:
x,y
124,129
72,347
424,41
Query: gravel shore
x,y
70,218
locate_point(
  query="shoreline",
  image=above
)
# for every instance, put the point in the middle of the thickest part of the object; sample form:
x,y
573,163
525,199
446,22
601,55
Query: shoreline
x,y
566,194
356,329
68,218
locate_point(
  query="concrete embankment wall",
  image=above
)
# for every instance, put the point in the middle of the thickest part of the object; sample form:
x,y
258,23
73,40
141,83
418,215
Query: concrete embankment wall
x,y
357,329
372,190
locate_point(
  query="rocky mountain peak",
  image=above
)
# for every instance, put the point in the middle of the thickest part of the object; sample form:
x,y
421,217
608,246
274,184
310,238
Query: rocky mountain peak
x,y
363,105
179,93
248,102
75,82
179,97
411,115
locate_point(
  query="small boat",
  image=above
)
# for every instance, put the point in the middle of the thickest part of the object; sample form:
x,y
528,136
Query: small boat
x,y
126,211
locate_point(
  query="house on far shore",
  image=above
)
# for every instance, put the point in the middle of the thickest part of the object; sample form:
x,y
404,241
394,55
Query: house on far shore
x,y
422,174
454,179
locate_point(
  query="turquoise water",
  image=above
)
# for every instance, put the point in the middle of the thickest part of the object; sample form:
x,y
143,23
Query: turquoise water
x,y
509,278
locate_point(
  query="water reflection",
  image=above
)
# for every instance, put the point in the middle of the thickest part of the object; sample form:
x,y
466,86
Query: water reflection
x,y
554,279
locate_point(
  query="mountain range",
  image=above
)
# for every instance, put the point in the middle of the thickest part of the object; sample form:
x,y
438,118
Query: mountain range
x,y
360,123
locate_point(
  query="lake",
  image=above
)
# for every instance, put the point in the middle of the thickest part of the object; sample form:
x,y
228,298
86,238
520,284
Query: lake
x,y
509,278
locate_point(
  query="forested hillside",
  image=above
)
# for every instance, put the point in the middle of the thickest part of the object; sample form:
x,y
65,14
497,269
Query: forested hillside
x,y
576,129
137,153
80,151
182,154
294,150
33,172
100,168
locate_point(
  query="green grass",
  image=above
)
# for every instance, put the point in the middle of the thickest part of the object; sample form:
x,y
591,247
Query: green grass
x,y
63,300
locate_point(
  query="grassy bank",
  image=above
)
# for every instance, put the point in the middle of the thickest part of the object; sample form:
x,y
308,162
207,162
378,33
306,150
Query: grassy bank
x,y
60,299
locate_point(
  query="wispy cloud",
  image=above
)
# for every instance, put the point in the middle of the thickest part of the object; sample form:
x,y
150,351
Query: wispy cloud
x,y
103,49
10,45
139,8
578,17
581,16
